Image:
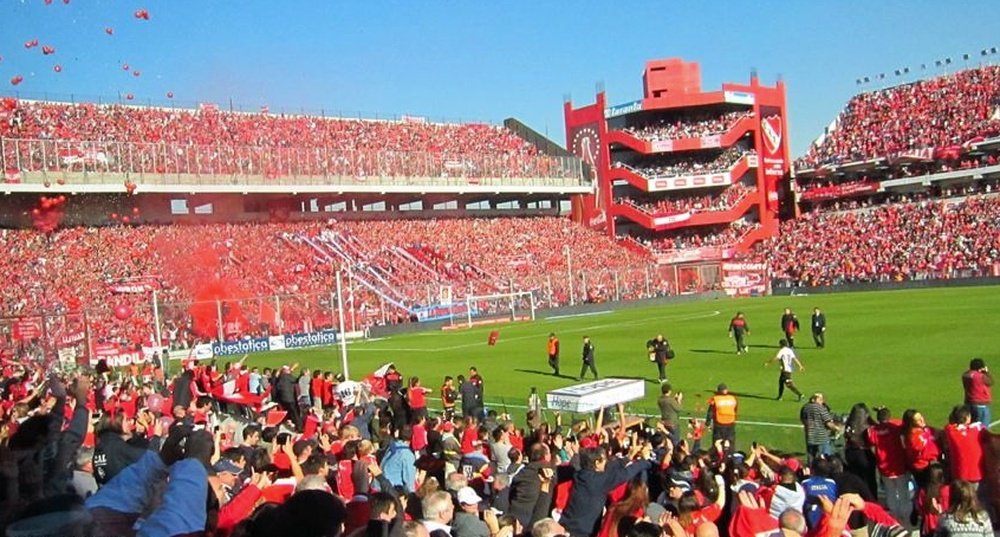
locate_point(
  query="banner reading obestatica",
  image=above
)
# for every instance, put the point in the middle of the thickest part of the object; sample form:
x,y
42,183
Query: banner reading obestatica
x,y
243,346
311,339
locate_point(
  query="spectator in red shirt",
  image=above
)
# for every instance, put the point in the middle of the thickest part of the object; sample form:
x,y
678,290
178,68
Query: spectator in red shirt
x,y
978,384
921,444
885,437
964,440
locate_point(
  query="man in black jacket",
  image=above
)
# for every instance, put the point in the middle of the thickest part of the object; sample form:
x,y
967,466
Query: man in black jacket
x,y
111,452
659,348
530,488
284,394
591,485
819,328
588,358
789,325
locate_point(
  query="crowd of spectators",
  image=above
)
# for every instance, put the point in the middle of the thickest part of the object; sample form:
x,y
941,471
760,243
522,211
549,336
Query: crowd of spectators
x,y
722,201
228,449
688,127
676,165
684,239
120,138
938,112
275,275
896,242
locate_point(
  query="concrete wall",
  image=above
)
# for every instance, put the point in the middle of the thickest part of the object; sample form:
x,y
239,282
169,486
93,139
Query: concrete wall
x,y
884,286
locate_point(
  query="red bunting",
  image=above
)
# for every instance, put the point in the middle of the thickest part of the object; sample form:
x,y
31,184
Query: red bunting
x,y
142,14
46,50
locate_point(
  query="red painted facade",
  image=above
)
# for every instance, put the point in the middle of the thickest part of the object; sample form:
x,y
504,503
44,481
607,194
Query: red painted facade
x,y
596,133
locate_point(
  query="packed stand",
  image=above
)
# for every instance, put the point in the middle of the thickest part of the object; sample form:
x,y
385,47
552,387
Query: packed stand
x,y
78,137
907,241
674,165
935,113
688,127
104,276
686,239
228,449
723,201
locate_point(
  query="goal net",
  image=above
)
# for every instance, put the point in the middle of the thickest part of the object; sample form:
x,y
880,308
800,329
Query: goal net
x,y
496,309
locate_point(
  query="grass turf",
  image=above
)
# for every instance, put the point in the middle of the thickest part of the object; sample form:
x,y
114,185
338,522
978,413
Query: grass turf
x,y
902,349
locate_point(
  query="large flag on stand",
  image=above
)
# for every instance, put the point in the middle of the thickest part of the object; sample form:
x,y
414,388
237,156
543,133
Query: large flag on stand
x,y
376,381
494,336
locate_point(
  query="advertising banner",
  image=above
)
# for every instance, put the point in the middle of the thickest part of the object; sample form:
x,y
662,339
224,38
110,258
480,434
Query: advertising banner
x,y
845,190
745,279
243,346
441,311
662,146
310,339
688,255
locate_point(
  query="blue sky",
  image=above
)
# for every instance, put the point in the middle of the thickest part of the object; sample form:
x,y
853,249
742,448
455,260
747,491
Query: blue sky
x,y
471,60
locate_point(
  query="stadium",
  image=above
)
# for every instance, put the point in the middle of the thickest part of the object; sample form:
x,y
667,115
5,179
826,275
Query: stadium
x,y
251,320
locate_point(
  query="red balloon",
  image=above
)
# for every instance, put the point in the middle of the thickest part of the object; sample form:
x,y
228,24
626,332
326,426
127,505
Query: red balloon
x,y
16,79
66,2
170,95
62,199
35,212
60,181
48,2
135,210
47,184
114,216
57,68
125,67
142,14
125,220
136,73
122,312
154,402
46,50
129,97
31,44
109,30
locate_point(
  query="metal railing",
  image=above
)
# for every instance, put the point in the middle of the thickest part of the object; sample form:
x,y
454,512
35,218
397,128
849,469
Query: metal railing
x,y
162,163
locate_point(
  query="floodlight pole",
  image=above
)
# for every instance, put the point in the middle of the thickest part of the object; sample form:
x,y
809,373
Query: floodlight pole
x,y
569,273
343,335
158,344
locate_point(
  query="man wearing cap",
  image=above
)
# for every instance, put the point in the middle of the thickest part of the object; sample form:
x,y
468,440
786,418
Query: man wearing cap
x,y
226,472
722,408
466,522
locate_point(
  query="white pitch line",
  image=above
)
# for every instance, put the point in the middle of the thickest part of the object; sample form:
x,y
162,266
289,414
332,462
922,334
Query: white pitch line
x,y
591,314
648,320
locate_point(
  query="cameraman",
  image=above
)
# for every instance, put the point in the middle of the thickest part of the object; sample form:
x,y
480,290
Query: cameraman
x,y
978,383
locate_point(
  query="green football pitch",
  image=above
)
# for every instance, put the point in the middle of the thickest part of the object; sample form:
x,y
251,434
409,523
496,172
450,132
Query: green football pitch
x,y
901,349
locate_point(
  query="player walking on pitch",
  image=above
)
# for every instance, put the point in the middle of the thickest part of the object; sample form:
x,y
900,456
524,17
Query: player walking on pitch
x,y
739,330
786,356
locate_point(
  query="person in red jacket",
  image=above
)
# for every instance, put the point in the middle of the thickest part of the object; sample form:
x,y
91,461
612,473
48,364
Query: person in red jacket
x,y
978,384
921,444
964,439
417,398
885,437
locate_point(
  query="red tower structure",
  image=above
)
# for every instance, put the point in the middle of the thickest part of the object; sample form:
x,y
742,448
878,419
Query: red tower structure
x,y
692,175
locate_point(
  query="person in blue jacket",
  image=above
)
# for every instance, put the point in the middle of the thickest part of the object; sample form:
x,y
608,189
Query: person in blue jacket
x,y
596,478
399,463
